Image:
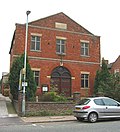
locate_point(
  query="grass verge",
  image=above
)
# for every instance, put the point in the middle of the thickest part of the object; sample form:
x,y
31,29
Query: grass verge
x,y
10,107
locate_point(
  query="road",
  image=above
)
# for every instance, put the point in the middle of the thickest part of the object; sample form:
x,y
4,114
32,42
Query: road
x,y
71,126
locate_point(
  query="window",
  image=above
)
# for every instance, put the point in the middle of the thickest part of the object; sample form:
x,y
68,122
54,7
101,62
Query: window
x,y
84,80
99,102
84,48
84,102
35,43
36,76
60,46
116,71
110,102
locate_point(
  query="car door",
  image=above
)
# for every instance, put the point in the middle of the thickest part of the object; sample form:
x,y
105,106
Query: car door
x,y
100,107
112,108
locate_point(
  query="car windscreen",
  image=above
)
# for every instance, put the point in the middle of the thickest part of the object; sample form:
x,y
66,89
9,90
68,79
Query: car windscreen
x,y
84,101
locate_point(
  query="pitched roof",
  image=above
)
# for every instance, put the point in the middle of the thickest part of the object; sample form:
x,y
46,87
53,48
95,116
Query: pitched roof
x,y
62,18
12,43
111,64
117,58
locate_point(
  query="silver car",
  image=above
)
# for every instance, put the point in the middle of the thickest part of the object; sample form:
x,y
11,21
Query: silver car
x,y
96,108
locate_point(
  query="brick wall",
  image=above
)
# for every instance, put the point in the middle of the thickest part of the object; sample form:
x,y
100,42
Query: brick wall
x,y
48,107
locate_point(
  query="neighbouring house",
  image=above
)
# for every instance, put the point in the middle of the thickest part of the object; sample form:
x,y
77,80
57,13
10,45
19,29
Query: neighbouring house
x,y
61,53
5,90
115,66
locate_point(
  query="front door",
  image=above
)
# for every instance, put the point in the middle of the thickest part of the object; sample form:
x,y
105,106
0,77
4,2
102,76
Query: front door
x,y
61,81
112,108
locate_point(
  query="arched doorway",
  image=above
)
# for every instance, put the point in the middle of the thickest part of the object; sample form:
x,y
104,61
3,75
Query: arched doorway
x,y
61,80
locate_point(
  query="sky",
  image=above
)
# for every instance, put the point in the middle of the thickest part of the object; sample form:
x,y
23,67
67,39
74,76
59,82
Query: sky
x,y
100,17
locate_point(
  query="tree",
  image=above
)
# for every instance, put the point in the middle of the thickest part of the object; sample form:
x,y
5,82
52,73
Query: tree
x,y
97,82
17,65
102,80
114,87
106,83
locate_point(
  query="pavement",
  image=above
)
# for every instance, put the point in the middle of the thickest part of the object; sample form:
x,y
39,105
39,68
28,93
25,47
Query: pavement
x,y
46,119
37,119
3,107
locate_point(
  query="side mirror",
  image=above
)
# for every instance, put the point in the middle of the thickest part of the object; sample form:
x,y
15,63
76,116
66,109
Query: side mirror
x,y
118,105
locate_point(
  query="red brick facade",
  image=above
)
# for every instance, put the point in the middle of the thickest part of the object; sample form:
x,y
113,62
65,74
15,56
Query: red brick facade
x,y
115,66
46,60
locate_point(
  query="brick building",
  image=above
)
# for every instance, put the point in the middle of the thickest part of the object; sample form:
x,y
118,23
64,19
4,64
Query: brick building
x,y
4,84
115,66
61,53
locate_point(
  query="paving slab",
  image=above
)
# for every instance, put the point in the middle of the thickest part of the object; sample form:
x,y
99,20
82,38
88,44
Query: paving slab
x,y
3,107
48,119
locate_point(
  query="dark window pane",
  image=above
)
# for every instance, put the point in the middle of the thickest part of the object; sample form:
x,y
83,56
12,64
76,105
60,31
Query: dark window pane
x,y
86,76
33,38
62,49
82,83
99,102
62,41
86,45
38,46
32,45
37,38
86,51
58,41
58,48
67,75
86,83
82,75
110,102
82,51
37,81
84,80
84,102
36,76
36,73
55,74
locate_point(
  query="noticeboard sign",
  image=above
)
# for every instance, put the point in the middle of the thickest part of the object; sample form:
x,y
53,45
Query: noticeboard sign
x,y
44,88
24,84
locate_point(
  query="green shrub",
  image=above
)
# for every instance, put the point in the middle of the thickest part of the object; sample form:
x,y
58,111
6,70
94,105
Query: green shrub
x,y
6,92
59,98
52,96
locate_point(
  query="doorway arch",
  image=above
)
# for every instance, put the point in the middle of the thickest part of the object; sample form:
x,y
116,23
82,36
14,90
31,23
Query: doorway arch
x,y
61,80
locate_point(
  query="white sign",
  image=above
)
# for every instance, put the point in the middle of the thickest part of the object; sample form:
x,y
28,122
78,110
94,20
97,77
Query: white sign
x,y
45,89
24,84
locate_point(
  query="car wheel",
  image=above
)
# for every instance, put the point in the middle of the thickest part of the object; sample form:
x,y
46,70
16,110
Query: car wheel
x,y
92,117
80,119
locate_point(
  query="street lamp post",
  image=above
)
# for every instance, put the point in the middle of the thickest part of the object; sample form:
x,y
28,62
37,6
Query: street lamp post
x,y
25,56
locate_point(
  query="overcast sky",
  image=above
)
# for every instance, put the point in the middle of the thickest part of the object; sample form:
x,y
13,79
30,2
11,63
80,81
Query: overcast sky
x,y
101,17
